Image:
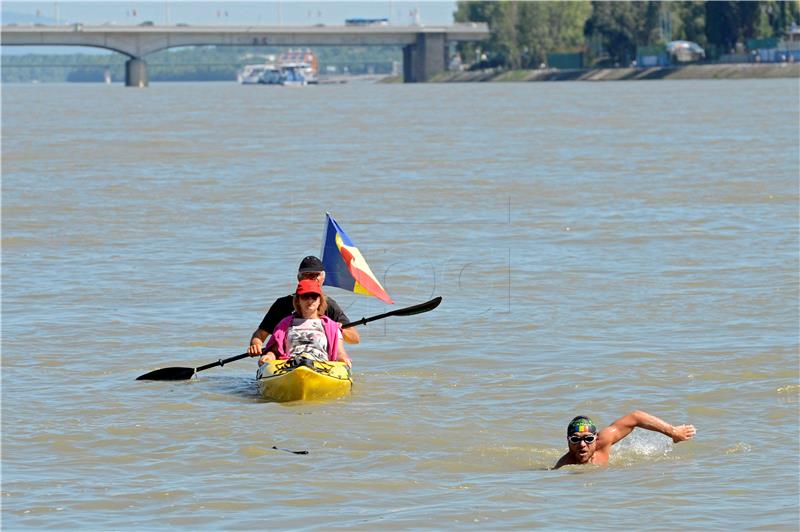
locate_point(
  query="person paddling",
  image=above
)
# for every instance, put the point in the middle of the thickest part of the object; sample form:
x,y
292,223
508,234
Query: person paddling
x,y
310,268
307,332
587,446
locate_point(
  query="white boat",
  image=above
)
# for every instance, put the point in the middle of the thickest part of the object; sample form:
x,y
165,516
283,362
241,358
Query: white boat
x,y
302,62
685,51
292,69
252,74
293,75
272,75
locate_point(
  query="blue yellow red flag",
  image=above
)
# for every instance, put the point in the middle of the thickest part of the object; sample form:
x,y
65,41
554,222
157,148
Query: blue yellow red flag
x,y
345,267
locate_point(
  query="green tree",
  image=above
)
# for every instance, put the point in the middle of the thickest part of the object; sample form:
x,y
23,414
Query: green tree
x,y
474,12
751,20
722,25
688,21
780,15
544,27
729,22
523,33
622,26
504,41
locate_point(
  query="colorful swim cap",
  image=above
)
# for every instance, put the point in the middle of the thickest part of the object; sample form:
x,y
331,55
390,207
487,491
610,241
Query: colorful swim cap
x,y
581,424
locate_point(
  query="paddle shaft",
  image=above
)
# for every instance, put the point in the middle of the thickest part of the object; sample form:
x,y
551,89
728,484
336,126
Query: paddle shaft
x,y
166,374
222,362
407,311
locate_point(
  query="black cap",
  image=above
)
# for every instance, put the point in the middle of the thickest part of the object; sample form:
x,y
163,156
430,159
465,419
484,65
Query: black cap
x,y
311,264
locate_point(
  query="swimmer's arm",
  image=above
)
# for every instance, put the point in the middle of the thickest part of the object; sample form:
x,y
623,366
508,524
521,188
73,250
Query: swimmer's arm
x,y
625,425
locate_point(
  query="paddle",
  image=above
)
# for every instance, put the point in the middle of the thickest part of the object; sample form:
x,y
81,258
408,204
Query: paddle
x,y
181,374
408,311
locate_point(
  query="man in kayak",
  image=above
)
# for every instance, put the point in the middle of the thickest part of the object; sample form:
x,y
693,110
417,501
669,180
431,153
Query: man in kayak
x,y
587,446
310,268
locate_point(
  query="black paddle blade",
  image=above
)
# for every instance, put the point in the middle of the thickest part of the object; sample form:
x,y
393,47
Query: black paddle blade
x,y
419,309
168,374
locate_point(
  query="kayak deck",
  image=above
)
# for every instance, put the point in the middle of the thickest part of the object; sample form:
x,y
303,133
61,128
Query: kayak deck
x,y
303,380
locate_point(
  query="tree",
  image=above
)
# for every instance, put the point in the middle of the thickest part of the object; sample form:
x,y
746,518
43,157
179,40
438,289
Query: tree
x,y
780,15
523,33
688,21
545,27
622,26
474,12
504,41
750,20
729,23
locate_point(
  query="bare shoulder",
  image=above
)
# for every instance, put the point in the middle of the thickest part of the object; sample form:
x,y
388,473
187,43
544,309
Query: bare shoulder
x,y
564,460
606,437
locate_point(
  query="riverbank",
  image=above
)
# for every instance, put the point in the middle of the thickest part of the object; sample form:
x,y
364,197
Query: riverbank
x,y
719,71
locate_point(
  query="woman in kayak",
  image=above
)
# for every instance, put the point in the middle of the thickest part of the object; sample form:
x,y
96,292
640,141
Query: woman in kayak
x,y
307,332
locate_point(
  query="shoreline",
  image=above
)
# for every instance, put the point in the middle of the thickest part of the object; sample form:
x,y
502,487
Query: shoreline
x,y
718,71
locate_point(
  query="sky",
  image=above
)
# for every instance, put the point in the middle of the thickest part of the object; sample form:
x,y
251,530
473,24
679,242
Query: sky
x,y
285,12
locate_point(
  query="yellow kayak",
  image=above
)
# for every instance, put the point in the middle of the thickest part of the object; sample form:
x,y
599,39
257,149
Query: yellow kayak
x,y
303,379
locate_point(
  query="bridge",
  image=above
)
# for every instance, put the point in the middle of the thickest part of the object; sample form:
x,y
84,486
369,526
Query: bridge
x,y
425,48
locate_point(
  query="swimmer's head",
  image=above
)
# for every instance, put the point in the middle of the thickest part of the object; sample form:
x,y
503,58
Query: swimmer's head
x,y
581,424
582,439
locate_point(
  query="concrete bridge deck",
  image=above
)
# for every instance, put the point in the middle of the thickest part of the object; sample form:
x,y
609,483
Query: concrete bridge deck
x,y
425,48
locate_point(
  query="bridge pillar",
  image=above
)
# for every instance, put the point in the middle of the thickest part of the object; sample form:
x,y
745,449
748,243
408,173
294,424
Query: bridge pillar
x,y
136,72
426,58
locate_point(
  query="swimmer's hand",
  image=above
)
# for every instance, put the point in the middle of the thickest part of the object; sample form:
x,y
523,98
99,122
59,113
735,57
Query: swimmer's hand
x,y
683,433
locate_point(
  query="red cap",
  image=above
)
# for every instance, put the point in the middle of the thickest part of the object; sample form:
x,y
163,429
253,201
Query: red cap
x,y
308,286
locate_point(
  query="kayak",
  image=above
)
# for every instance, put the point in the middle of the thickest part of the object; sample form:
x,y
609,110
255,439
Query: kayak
x,y
303,379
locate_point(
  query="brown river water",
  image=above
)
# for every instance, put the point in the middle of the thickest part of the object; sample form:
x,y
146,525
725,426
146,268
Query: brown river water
x,y
600,248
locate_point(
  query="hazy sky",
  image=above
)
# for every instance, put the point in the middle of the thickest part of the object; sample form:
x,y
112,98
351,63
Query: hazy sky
x,y
285,12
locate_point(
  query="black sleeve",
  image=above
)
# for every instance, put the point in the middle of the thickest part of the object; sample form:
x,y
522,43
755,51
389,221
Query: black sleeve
x,y
335,312
281,308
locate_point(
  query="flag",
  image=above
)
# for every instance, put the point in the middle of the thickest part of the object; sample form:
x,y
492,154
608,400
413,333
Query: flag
x,y
345,267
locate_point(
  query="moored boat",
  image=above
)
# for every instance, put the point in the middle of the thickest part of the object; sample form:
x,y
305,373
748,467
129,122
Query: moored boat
x,y
303,379
253,74
293,75
299,67
271,75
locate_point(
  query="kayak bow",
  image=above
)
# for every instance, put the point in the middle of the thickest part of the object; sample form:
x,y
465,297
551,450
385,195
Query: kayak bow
x,y
303,379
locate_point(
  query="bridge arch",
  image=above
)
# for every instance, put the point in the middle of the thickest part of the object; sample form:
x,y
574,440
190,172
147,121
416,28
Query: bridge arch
x,y
424,47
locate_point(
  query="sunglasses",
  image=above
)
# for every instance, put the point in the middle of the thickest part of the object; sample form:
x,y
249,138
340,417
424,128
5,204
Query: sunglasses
x,y
577,439
309,296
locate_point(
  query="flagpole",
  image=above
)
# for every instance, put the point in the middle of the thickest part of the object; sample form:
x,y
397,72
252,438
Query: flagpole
x,y
324,235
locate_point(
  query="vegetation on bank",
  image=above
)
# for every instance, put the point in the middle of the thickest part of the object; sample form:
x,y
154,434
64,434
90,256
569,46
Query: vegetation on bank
x,y
206,63
694,71
609,33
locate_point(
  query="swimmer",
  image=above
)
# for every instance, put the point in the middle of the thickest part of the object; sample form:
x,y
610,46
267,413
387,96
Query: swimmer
x,y
587,446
